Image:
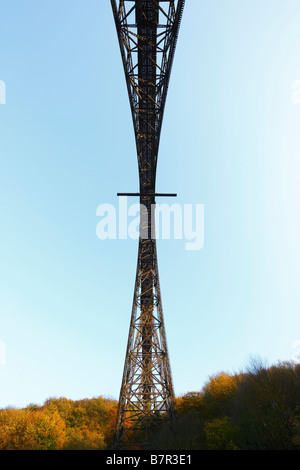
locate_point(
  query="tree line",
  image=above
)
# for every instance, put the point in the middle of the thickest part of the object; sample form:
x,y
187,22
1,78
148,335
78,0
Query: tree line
x,y
258,409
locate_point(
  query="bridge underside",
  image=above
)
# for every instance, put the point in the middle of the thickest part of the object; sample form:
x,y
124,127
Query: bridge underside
x,y
147,32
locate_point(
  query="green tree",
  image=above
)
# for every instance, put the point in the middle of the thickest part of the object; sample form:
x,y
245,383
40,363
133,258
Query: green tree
x,y
220,434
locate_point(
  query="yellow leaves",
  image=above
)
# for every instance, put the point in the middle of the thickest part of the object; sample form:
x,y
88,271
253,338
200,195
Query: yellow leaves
x,y
256,410
58,424
27,429
218,392
221,385
190,402
84,439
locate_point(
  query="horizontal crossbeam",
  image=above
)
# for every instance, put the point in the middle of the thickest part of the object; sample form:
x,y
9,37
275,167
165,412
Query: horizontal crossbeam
x,y
148,194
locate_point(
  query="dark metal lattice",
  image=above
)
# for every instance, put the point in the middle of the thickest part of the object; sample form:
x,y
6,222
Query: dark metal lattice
x,y
147,32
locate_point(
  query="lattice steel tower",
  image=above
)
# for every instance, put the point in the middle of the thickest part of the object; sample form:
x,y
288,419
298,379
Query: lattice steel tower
x,y
147,32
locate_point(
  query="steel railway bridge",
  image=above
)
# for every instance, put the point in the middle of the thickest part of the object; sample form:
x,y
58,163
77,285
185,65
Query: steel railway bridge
x,y
147,32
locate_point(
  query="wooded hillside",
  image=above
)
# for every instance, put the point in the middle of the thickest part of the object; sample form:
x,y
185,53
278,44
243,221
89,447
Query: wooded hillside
x,y
258,409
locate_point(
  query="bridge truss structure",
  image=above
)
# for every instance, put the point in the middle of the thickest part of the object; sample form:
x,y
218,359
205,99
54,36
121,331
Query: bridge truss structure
x,y
147,31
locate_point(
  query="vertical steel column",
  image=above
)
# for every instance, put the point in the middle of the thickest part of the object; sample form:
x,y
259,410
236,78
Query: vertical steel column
x,y
147,19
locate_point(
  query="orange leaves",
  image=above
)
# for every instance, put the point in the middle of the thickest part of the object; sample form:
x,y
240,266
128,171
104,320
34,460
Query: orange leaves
x,y
221,385
218,393
189,403
83,438
256,410
27,429
58,424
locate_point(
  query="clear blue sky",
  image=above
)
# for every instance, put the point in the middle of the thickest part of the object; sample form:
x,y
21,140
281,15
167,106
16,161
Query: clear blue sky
x,y
230,140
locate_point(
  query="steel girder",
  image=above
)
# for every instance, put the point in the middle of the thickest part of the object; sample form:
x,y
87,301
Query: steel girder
x,y
157,41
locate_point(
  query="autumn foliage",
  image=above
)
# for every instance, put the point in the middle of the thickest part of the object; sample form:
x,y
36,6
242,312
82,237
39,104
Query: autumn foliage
x,y
59,424
254,410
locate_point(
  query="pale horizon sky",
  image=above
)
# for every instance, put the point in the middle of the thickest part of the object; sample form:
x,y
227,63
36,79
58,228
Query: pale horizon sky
x,y
230,140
